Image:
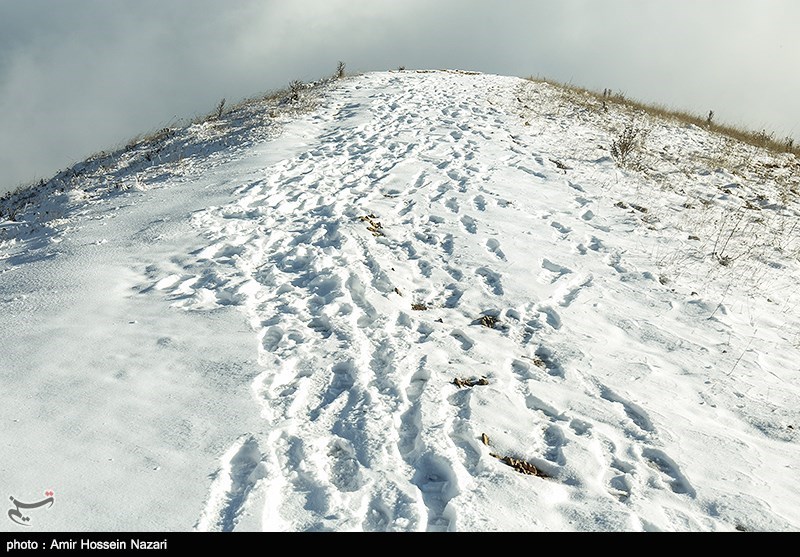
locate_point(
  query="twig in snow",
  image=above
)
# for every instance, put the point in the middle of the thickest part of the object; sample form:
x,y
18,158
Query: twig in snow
x,y
742,354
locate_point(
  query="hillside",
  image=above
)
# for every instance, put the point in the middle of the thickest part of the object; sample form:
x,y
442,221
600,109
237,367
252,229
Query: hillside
x,y
407,301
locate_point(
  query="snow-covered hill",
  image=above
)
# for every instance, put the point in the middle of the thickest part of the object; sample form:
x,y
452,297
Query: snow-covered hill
x,y
419,301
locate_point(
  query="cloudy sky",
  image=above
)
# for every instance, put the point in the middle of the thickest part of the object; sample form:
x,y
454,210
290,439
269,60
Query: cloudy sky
x,y
80,76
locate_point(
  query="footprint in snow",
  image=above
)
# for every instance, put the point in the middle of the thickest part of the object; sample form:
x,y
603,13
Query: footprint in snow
x,y
469,224
241,469
551,272
466,342
677,482
491,279
636,414
494,247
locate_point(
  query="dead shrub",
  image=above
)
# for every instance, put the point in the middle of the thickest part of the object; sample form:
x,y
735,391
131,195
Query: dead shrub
x,y
624,147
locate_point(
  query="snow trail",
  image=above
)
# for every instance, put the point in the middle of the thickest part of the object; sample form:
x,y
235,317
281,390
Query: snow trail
x,y
368,287
451,284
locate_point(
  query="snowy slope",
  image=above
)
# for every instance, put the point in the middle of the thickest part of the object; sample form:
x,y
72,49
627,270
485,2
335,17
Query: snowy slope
x,y
431,301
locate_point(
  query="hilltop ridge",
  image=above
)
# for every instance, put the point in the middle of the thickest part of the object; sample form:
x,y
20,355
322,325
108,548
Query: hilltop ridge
x,y
409,301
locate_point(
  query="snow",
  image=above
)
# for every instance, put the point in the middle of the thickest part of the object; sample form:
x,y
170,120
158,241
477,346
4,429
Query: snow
x,y
379,310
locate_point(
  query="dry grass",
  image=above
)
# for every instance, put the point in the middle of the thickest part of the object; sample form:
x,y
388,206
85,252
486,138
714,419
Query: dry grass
x,y
602,99
518,464
373,224
489,321
521,466
460,382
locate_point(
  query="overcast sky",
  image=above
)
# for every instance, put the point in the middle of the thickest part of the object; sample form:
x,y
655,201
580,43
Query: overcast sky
x,y
80,76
